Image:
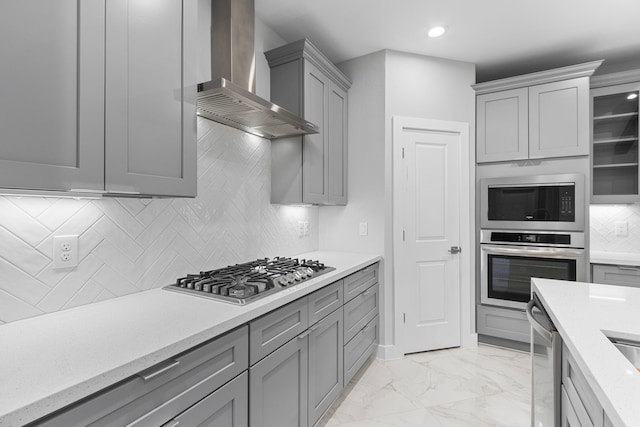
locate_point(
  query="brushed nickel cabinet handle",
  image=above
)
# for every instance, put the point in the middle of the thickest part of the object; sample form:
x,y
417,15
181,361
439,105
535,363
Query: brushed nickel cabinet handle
x,y
170,365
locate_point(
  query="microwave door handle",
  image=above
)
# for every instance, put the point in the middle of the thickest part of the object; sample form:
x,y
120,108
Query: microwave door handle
x,y
544,332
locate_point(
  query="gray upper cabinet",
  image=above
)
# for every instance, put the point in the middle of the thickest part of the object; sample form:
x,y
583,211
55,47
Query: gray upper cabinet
x,y
150,97
534,116
615,170
503,125
312,168
98,96
52,91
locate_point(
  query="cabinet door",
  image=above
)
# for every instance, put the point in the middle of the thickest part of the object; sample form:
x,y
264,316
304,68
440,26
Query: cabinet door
x,y
559,119
52,91
278,387
315,150
616,275
150,97
226,407
337,141
567,413
502,126
326,362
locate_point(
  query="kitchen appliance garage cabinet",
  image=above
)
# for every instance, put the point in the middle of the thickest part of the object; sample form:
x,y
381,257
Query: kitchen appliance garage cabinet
x,y
310,169
284,368
102,101
534,116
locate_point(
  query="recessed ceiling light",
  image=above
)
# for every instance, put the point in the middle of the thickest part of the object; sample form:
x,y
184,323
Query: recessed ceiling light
x,y
436,31
632,96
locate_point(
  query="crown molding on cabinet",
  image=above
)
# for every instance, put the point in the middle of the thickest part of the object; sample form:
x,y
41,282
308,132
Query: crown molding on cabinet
x,y
304,48
623,77
573,71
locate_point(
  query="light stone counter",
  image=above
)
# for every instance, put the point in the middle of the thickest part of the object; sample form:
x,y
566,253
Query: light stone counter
x,y
614,258
50,361
581,312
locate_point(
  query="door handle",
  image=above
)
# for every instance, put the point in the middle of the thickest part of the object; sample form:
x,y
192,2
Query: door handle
x,y
455,250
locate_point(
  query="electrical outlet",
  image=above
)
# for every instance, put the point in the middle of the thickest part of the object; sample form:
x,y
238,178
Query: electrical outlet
x,y
622,228
300,228
306,228
65,251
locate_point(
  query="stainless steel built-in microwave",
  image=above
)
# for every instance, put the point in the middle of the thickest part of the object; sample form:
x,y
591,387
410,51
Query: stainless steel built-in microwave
x,y
540,202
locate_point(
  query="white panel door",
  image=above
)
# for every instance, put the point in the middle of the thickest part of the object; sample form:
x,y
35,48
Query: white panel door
x,y
429,272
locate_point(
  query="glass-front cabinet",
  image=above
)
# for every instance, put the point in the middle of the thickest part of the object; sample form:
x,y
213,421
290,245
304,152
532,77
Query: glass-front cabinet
x,y
615,144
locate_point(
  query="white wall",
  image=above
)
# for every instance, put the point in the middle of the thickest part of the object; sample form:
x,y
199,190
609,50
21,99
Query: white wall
x,y
385,84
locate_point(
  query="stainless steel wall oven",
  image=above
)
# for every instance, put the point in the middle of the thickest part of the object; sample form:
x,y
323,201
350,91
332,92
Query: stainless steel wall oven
x,y
509,259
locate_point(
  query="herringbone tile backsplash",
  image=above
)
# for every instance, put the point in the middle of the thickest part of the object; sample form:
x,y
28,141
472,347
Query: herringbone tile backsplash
x,y
602,222
132,245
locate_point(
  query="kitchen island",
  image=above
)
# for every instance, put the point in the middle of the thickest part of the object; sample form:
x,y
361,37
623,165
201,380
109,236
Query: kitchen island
x,y
51,361
586,316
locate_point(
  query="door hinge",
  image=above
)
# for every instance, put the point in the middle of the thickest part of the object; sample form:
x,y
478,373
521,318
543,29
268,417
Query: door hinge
x,y
404,317
403,152
403,235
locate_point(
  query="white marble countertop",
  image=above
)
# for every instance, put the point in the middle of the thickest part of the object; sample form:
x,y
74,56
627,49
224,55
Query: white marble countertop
x,y
50,361
581,312
614,258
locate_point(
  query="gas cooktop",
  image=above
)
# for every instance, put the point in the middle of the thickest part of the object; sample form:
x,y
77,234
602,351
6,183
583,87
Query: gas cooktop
x,y
249,281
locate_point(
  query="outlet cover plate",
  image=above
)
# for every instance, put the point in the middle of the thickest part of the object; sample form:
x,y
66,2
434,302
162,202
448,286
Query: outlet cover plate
x,y
65,252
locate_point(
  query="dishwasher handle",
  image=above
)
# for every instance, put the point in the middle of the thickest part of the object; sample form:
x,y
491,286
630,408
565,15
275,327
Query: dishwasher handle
x,y
540,329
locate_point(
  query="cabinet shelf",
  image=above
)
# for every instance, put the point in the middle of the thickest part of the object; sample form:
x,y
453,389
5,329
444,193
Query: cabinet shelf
x,y
614,165
616,116
614,140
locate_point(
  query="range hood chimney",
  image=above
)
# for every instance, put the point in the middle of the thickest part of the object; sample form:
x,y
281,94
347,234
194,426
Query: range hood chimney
x,y
229,97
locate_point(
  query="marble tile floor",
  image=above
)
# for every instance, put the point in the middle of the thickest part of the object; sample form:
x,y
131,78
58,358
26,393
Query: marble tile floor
x,y
474,387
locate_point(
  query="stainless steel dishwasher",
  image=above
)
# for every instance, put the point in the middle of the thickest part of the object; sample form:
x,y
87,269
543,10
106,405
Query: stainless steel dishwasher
x,y
546,367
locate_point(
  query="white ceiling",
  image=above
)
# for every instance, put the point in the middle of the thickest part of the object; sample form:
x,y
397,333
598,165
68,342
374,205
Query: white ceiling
x,y
502,37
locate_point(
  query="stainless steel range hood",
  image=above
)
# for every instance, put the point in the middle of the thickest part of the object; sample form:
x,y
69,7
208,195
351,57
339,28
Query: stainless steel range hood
x,y
229,97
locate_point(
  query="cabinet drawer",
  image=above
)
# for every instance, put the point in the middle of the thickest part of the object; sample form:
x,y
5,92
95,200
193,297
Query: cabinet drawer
x,y
568,414
503,323
274,329
584,402
226,407
360,310
325,301
161,392
358,350
359,281
616,275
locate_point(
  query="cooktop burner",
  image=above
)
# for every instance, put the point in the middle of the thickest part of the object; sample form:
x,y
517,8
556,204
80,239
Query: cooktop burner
x,y
246,282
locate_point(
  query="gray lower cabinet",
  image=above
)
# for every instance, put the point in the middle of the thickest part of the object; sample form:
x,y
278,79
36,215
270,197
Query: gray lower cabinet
x,y
621,275
361,348
278,387
326,364
503,323
357,282
226,407
580,406
160,393
105,99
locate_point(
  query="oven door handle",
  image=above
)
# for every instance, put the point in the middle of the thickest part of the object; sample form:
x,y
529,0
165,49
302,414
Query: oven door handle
x,y
546,334
532,250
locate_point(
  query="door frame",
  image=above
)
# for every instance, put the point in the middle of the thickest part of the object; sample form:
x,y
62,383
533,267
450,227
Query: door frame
x,y
468,335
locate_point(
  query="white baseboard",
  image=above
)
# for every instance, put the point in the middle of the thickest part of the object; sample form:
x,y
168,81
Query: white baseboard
x,y
388,352
469,341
